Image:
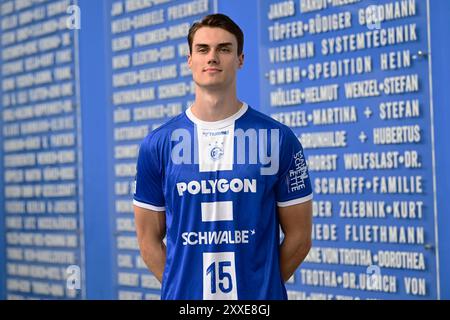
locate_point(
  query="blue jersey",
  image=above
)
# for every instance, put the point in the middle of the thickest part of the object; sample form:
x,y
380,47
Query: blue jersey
x,y
219,184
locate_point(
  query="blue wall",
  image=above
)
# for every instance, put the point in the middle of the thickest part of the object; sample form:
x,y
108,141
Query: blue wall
x,y
98,244
440,46
96,128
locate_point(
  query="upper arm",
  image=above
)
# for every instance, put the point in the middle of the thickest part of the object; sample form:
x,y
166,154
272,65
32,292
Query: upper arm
x,y
148,193
293,185
149,202
150,224
296,220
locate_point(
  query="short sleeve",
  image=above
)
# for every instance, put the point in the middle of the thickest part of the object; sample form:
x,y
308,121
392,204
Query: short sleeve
x,y
293,185
148,189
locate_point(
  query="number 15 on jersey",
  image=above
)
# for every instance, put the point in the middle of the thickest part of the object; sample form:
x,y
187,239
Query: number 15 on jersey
x,y
219,276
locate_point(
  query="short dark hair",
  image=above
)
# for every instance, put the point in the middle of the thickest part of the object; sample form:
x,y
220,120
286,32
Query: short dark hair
x,y
218,20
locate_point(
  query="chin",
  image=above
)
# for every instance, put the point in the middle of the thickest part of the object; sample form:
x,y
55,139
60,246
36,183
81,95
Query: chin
x,y
211,84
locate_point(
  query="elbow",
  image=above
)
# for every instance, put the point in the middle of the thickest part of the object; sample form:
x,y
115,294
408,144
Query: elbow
x,y
149,247
151,254
308,245
303,247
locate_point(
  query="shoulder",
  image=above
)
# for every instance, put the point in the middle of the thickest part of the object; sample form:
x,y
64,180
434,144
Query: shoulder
x,y
264,121
158,137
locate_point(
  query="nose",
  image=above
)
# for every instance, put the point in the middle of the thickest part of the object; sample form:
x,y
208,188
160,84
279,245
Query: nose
x,y
213,57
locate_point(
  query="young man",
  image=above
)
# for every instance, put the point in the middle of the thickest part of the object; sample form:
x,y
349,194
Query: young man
x,y
219,180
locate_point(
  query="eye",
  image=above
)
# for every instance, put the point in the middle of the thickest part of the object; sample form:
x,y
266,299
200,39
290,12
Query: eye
x,y
202,50
225,49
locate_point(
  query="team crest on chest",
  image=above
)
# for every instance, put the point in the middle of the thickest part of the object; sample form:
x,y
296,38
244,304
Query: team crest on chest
x,y
216,150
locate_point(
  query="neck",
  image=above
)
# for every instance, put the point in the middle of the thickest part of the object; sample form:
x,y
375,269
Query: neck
x,y
215,105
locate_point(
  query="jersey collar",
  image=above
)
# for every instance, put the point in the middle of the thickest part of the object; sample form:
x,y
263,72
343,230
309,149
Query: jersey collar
x,y
217,124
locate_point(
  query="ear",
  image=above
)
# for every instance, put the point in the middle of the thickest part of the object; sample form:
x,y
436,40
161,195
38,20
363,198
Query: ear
x,y
189,60
241,61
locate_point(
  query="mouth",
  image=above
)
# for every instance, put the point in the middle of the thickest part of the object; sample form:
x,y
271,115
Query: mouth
x,y
212,70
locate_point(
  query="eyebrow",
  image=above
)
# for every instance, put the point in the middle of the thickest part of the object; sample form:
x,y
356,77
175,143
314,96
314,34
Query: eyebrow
x,y
204,45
